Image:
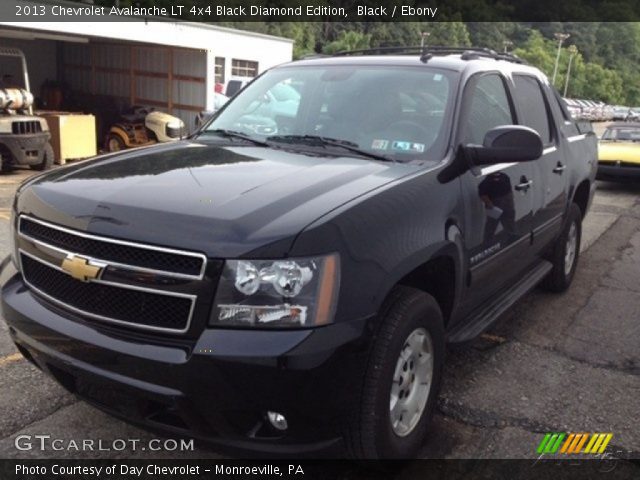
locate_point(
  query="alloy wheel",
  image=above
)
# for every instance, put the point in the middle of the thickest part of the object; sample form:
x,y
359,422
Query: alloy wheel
x,y
571,248
411,382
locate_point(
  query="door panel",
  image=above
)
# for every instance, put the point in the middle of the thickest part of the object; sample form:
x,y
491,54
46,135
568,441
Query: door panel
x,y
550,198
498,198
500,223
550,170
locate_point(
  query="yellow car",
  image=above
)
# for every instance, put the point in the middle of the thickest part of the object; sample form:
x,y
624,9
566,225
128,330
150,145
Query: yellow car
x,y
619,152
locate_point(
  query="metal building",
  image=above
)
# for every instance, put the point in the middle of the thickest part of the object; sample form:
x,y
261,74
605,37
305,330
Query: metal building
x,y
170,65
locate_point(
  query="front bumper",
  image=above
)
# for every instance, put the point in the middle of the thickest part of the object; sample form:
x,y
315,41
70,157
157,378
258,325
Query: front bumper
x,y
217,388
25,149
612,171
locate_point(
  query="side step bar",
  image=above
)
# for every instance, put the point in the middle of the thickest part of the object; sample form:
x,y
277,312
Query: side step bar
x,y
480,321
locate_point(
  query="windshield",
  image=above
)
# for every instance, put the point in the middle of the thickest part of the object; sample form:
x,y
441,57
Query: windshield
x,y
398,112
622,134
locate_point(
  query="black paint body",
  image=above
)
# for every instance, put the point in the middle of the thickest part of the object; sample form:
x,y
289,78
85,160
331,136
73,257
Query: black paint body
x,y
387,222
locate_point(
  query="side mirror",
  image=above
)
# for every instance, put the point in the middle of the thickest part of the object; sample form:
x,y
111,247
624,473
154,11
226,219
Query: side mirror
x,y
506,144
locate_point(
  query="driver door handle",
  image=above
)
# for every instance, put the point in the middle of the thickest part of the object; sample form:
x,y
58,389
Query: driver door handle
x,y
524,184
559,168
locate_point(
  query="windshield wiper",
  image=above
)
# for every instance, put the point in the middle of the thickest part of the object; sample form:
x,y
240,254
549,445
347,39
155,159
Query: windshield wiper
x,y
233,134
331,142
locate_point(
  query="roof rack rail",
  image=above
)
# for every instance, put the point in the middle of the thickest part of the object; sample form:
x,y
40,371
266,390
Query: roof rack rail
x,y
428,52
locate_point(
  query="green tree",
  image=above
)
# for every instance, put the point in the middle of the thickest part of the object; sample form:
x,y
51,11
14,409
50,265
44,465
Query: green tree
x,y
385,34
304,34
538,51
452,34
492,34
348,40
602,84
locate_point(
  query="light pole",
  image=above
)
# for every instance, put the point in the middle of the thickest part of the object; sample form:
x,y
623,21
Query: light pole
x,y
423,38
561,37
572,53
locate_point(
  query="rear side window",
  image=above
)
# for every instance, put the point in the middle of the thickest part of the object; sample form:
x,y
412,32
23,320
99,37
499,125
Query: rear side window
x,y
533,106
568,127
489,108
562,106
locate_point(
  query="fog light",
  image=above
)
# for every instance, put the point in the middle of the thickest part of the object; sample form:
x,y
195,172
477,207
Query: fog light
x,y
277,421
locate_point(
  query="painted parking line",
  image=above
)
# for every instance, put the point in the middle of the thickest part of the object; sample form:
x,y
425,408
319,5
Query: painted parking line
x,y
14,357
5,215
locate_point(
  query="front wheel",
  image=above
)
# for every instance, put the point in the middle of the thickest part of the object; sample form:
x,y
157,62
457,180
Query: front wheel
x,y
115,143
47,159
402,380
565,253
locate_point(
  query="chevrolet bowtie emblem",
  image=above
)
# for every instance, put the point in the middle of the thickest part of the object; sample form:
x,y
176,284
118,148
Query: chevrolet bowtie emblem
x,y
81,268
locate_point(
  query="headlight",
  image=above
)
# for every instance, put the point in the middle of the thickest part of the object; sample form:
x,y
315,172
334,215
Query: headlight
x,y
295,292
175,129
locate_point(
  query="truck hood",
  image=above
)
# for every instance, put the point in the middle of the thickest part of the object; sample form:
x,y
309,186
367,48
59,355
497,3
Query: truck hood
x,y
225,201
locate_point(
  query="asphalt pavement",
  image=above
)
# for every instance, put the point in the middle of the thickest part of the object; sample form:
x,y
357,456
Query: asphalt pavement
x,y
553,363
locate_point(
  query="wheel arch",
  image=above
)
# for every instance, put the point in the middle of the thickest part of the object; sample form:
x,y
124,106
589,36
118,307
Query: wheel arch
x,y
119,131
581,196
436,272
437,277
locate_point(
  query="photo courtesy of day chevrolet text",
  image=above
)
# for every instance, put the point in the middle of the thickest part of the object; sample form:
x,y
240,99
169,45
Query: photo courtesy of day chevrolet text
x,y
125,470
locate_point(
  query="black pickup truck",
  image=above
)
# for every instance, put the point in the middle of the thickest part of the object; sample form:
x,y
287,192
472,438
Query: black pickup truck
x,y
286,279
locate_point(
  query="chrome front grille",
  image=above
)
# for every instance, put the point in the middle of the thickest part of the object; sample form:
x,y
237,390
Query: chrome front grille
x,y
131,285
118,252
26,127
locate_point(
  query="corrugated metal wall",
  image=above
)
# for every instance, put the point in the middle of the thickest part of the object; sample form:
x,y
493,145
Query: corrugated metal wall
x,y
188,66
112,69
167,78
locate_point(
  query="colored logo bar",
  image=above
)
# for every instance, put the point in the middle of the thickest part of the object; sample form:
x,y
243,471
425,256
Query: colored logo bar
x,y
572,443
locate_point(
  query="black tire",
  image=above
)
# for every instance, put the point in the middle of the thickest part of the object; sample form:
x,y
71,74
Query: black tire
x,y
559,278
47,159
114,143
370,434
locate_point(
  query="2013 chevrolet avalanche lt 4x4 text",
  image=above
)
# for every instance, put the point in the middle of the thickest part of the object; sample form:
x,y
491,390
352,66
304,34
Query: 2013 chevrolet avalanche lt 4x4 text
x,y
286,279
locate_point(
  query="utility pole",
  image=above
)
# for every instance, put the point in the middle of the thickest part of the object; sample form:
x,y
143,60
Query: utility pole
x,y
561,37
572,53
